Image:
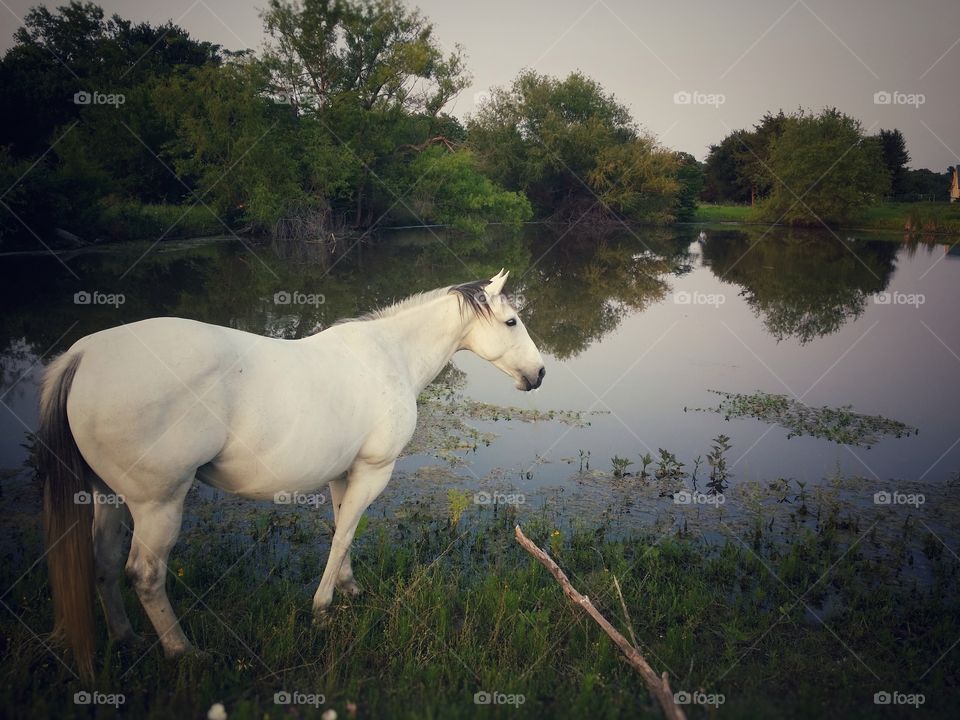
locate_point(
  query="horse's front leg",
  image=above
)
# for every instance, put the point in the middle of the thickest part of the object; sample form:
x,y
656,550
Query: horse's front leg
x,y
363,484
345,581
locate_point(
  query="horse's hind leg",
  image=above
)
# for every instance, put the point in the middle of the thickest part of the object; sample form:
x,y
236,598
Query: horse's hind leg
x,y
156,525
109,519
345,580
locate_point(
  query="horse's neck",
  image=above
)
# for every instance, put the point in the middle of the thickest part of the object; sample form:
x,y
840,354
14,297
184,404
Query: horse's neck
x,y
425,337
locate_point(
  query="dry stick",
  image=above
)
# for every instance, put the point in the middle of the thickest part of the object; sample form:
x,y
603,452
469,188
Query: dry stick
x,y
659,685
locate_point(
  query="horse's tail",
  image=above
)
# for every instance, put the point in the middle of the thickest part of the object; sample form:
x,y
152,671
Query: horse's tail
x,y
67,515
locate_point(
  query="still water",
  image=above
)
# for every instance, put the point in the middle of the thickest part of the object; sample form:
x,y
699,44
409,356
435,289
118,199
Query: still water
x,y
636,326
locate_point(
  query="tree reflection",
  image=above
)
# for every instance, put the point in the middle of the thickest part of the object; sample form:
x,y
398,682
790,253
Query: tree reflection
x,y
580,290
803,285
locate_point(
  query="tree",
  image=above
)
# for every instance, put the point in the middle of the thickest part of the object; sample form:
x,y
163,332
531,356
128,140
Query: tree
x,y
826,170
571,148
895,158
737,170
690,176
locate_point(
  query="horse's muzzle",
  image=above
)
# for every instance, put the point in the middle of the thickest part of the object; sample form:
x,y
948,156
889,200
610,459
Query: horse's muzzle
x,y
534,384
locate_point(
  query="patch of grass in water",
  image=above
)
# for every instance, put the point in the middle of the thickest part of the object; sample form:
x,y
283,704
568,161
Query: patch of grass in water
x,y
841,425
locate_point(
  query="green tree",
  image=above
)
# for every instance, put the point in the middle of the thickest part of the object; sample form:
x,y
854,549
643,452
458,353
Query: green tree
x,y
895,158
690,176
571,148
826,170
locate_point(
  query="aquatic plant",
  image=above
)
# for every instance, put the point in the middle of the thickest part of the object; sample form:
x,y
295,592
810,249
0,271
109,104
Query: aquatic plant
x,y
620,465
841,425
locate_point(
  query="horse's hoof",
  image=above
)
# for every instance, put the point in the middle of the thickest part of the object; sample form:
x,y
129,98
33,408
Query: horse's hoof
x,y
350,588
322,617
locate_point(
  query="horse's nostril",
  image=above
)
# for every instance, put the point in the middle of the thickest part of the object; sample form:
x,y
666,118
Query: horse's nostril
x,y
543,371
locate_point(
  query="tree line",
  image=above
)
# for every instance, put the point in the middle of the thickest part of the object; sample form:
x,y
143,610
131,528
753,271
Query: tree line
x,y
116,129
800,166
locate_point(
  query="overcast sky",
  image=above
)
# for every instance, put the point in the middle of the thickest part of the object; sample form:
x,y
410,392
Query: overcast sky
x,y
730,61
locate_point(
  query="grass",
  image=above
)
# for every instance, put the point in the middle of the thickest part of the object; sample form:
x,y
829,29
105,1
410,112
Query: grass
x,y
810,626
922,216
927,217
710,213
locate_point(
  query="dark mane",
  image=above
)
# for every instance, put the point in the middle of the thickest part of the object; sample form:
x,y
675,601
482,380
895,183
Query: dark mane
x,y
473,297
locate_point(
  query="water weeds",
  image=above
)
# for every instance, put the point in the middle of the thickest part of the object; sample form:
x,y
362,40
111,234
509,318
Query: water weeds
x,y
841,425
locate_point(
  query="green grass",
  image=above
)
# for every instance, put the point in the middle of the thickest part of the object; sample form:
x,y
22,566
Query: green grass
x,y
451,610
925,217
922,217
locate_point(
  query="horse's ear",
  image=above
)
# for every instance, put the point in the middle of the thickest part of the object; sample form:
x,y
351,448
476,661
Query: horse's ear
x,y
496,283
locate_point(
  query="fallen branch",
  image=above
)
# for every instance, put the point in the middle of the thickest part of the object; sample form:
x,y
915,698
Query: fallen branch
x,y
659,685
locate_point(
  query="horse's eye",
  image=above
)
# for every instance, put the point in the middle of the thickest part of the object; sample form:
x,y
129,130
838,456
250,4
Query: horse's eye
x,y
511,322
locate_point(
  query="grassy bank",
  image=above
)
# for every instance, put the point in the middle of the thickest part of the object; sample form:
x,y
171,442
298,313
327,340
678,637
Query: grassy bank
x,y
810,627
921,217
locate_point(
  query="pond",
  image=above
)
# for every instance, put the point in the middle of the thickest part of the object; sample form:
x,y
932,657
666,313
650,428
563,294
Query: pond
x,y
637,329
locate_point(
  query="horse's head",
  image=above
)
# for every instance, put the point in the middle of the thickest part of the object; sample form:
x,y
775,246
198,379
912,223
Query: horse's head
x,y
499,336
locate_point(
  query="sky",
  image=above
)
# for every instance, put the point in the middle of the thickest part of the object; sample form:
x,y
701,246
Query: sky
x,y
690,72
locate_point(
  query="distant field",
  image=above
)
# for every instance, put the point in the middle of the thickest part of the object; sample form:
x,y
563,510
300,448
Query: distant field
x,y
923,216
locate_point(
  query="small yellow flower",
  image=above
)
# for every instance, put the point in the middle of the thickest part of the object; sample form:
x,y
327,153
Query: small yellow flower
x,y
179,572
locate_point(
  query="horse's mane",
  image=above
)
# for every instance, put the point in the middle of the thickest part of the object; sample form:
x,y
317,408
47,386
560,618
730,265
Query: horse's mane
x,y
471,294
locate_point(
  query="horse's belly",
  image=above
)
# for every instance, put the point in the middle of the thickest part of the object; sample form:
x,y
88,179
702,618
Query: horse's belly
x,y
269,476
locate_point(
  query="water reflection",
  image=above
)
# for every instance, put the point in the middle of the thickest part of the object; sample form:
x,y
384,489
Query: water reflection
x,y
803,285
576,289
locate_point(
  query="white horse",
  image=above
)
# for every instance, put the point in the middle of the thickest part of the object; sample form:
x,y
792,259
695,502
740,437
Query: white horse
x,y
139,411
